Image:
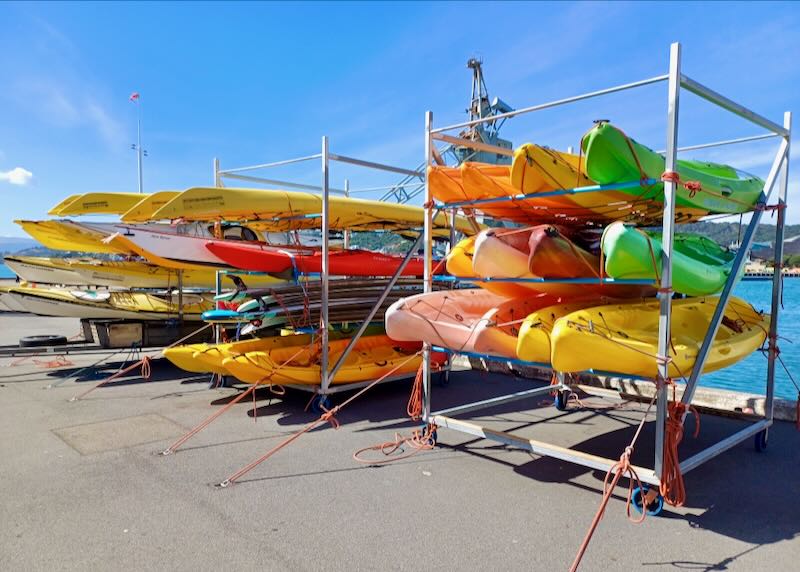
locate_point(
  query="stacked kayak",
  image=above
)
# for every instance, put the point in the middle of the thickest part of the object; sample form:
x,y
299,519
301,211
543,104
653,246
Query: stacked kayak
x,y
266,258
545,252
700,267
550,288
624,337
612,157
113,273
296,362
99,305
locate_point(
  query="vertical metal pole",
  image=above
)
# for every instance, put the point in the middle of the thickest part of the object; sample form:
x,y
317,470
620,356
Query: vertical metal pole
x,y
139,140
346,234
667,235
777,278
323,316
428,266
218,305
180,296
218,274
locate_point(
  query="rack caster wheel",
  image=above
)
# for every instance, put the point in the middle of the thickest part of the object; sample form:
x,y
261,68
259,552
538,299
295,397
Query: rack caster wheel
x,y
320,403
654,507
443,378
761,440
434,435
561,399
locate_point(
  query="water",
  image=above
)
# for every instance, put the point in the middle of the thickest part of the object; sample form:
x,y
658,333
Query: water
x,y
5,272
750,374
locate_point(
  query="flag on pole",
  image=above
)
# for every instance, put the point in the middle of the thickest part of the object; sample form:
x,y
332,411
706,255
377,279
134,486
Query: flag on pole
x,y
134,97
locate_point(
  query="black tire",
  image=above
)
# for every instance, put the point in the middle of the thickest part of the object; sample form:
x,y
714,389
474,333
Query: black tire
x,y
41,341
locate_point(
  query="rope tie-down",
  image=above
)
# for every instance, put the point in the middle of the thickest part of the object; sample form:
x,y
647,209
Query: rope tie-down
x,y
328,416
250,390
143,363
618,470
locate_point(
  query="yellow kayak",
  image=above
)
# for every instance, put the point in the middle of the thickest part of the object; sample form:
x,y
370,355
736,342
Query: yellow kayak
x,y
96,203
623,338
65,235
371,358
147,207
99,305
208,358
533,340
286,210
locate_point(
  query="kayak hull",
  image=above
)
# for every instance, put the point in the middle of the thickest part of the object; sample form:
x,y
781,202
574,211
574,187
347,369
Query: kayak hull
x,y
612,157
700,267
623,338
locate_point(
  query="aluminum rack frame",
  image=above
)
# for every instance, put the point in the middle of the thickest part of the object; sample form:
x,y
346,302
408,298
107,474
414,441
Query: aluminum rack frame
x,y
325,156
676,81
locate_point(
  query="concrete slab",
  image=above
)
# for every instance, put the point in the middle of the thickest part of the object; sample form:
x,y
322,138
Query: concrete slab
x,y
118,433
467,505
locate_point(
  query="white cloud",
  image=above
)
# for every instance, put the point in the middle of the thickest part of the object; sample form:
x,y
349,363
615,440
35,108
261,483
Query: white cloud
x,y
16,176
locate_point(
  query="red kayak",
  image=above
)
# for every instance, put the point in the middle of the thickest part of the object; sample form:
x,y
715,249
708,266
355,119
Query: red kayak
x,y
273,259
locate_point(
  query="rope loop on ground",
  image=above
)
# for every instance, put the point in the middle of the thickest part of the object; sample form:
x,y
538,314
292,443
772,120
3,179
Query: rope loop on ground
x,y
420,440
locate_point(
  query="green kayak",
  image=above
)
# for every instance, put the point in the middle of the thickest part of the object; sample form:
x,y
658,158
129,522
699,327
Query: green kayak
x,y
611,157
700,266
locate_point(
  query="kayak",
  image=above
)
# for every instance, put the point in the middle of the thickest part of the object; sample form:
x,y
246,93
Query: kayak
x,y
459,264
298,363
96,203
538,169
446,318
533,340
277,210
481,181
700,267
99,305
208,358
623,338
497,333
545,252
265,258
613,157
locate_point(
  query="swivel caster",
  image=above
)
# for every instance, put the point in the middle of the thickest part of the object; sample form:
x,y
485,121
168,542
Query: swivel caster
x,y
320,404
655,502
560,401
761,440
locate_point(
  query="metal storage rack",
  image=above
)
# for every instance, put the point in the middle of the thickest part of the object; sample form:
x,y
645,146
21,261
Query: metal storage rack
x,y
675,81
398,190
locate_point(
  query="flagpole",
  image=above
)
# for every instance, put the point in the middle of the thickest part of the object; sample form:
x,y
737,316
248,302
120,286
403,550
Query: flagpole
x,y
139,140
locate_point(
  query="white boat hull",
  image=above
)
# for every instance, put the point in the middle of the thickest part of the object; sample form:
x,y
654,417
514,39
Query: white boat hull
x,y
45,274
44,306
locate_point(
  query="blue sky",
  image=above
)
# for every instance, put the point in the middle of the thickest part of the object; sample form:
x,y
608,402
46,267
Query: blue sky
x,y
252,83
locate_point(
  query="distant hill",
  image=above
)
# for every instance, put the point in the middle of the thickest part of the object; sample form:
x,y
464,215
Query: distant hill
x,y
13,244
724,233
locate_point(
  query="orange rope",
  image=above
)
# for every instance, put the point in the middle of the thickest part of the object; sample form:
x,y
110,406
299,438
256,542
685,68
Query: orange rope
x,y
326,417
621,468
420,440
672,487
144,364
59,361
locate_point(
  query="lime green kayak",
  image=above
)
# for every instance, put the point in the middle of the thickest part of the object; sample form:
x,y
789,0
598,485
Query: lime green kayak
x,y
700,267
612,157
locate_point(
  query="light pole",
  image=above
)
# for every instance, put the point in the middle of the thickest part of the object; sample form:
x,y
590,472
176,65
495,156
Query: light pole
x,y
135,98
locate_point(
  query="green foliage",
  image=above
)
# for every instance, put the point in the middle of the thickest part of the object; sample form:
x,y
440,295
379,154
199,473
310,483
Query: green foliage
x,y
724,233
792,261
